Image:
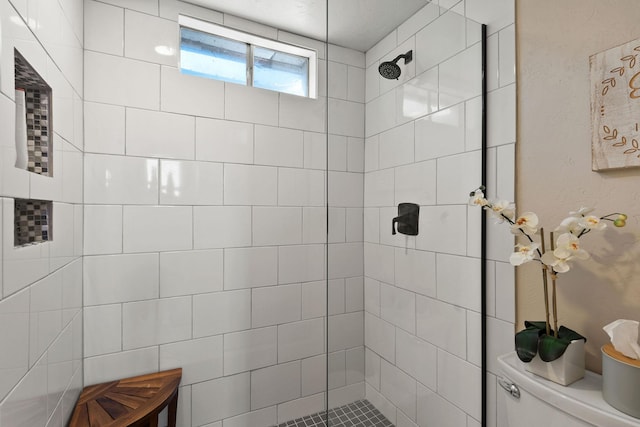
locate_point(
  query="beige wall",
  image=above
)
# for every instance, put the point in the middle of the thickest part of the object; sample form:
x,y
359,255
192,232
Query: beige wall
x,y
553,162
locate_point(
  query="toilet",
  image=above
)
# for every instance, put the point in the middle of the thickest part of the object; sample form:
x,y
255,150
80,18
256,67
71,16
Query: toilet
x,y
532,401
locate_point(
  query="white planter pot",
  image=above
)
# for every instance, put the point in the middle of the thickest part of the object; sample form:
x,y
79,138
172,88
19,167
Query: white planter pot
x,y
565,370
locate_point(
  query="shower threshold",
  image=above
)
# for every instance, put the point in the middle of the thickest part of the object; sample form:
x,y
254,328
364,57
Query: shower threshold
x,y
358,413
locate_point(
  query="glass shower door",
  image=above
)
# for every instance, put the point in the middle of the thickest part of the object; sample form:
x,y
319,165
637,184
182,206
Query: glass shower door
x,y
404,344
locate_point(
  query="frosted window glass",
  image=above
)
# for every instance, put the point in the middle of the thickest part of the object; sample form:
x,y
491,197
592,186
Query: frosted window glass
x,y
215,57
221,53
281,71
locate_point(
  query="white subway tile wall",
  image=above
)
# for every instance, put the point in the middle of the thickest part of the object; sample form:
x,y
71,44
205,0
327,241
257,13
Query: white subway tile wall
x,y
422,145
191,223
41,316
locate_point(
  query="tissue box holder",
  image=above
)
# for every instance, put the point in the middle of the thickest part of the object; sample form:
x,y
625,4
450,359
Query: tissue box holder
x,y
621,381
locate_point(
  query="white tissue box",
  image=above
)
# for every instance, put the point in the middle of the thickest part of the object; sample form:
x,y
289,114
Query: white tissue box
x,y
621,381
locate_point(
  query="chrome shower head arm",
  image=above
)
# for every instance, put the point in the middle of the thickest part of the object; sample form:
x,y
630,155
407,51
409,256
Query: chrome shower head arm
x,y
408,57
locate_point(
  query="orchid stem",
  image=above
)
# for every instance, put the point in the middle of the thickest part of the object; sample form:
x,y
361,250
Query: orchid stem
x,y
544,284
555,306
554,301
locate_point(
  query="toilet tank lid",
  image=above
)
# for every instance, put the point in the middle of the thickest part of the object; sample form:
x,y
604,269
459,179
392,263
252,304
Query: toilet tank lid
x,y
582,399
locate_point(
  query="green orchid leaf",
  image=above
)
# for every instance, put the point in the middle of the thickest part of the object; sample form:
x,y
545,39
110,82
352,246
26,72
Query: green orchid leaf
x,y
569,334
541,325
534,340
551,348
527,343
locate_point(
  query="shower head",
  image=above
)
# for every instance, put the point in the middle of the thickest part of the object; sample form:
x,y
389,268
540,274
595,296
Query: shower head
x,y
391,70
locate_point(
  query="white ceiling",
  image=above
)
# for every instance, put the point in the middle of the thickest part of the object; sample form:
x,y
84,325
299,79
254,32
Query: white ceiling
x,y
357,24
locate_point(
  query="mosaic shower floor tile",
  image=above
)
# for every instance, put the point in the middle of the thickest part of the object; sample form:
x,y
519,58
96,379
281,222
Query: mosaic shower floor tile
x,y
356,414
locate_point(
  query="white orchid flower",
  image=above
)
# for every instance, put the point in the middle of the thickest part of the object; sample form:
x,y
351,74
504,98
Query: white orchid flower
x,y
592,222
560,265
527,223
568,246
478,199
570,225
581,212
503,208
523,254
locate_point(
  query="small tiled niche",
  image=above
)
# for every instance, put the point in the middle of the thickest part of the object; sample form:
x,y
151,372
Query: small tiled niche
x,y
32,221
33,119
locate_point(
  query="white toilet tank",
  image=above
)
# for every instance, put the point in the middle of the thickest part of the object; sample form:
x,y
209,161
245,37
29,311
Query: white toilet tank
x,y
544,403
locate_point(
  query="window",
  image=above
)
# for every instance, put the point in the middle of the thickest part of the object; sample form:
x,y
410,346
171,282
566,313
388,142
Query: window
x,y
212,51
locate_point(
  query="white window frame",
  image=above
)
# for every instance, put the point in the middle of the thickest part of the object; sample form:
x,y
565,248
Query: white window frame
x,y
253,40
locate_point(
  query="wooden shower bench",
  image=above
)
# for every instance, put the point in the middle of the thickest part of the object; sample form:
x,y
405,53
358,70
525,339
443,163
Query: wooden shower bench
x,y
134,401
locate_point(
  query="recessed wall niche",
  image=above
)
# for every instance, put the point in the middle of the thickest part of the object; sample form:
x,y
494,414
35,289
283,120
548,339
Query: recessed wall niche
x,y
32,221
33,119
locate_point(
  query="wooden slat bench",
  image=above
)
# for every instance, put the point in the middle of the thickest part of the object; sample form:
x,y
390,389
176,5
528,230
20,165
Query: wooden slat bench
x,y
134,401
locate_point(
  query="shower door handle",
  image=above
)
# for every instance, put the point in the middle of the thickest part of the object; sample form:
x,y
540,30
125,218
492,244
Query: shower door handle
x,y
509,386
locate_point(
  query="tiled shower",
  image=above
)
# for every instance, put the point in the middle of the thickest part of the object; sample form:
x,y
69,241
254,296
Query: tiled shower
x,y
190,220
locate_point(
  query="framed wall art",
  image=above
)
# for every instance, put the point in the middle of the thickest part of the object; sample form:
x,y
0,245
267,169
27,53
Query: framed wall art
x,y
615,107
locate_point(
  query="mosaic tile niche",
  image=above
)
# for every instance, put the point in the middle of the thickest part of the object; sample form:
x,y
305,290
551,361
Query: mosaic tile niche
x,y
32,221
37,113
